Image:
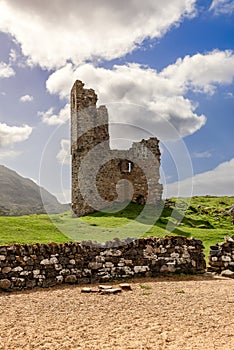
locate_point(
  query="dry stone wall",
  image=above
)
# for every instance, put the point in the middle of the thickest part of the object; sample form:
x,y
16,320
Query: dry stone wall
x,y
47,265
222,256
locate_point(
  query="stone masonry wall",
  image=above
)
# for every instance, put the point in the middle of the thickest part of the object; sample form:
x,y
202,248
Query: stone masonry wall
x,y
222,256
47,265
100,175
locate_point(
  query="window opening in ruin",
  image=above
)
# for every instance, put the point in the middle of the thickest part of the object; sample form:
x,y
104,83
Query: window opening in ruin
x,y
129,167
125,166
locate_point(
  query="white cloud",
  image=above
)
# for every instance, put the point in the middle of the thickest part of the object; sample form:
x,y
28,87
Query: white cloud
x,y
26,98
13,134
202,72
218,182
64,154
205,154
164,108
13,56
145,99
80,30
50,118
222,6
5,70
229,95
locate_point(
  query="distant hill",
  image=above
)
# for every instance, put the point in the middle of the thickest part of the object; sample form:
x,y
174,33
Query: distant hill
x,y
21,196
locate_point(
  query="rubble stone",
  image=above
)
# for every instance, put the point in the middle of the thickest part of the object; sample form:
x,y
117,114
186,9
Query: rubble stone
x,y
222,255
5,284
39,267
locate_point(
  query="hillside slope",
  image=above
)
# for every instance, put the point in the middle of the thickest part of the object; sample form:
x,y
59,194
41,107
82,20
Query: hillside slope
x,y
21,196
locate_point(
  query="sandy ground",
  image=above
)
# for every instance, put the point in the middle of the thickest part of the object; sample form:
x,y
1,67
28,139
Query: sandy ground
x,y
175,313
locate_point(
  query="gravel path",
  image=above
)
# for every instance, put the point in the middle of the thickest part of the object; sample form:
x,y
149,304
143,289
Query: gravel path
x,y
176,313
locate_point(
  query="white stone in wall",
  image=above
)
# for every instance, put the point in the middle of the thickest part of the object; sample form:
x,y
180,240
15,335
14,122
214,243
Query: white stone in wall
x,y
53,260
17,269
175,255
185,255
95,265
59,279
36,272
25,273
194,264
109,264
45,262
139,269
58,267
226,258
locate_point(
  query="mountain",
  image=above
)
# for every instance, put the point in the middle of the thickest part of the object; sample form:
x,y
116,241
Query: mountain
x,y
21,196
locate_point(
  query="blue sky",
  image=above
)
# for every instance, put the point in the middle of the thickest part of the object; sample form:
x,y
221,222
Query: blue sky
x,y
170,70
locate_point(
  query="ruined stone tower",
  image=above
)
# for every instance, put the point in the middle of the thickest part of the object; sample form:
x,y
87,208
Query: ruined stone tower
x,y
101,176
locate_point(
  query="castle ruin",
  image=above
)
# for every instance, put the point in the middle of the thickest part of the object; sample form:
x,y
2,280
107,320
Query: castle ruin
x,y
102,176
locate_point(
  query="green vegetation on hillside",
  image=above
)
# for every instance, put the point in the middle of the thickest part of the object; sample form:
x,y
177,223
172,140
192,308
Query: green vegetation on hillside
x,y
206,218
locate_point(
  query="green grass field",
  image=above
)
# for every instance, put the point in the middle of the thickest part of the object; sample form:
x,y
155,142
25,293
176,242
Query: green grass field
x,y
205,219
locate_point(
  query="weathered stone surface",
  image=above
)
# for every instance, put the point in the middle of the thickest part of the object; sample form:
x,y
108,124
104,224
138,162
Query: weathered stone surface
x,y
227,273
222,255
59,279
140,269
125,286
5,284
37,265
102,287
86,290
106,174
6,269
95,265
70,279
111,291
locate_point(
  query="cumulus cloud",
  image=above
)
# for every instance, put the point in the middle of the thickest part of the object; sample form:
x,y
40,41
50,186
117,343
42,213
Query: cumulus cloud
x,y
144,98
6,71
152,100
13,134
202,72
222,6
48,117
63,155
218,182
80,30
26,98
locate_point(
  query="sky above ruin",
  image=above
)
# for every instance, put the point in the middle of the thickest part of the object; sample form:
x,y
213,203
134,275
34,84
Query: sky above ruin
x,y
162,70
